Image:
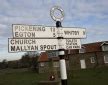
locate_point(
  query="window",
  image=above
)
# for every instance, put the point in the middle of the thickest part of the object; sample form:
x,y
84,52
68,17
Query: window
x,y
56,64
42,64
92,59
106,59
105,47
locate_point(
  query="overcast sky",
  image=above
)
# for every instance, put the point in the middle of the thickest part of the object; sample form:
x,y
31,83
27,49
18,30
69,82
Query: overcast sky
x,y
89,14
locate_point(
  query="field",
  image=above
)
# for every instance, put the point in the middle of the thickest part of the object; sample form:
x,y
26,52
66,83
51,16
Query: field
x,y
89,77
79,77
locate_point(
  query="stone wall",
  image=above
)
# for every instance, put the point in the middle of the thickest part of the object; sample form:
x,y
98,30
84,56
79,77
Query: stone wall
x,y
73,63
74,60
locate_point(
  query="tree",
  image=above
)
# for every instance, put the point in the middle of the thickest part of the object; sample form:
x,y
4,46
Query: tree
x,y
4,64
25,61
29,59
13,64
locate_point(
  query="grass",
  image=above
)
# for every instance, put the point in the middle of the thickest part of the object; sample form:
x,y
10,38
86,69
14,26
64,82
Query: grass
x,y
89,77
79,77
20,78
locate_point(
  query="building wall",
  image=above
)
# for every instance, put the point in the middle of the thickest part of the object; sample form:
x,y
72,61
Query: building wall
x,y
73,63
74,60
49,66
43,69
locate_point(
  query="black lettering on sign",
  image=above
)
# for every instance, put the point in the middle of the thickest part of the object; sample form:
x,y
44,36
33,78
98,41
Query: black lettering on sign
x,y
18,48
12,48
47,47
71,41
23,28
16,28
71,32
76,47
69,47
22,41
24,48
52,29
54,35
25,34
74,43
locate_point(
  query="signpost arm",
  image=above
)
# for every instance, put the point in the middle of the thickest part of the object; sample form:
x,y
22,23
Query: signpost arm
x,y
62,58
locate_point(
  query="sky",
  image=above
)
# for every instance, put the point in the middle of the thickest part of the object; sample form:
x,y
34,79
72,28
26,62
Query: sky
x,y
89,14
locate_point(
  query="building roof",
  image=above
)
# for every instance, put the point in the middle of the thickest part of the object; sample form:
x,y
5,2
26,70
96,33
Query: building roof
x,y
90,47
104,43
93,47
43,57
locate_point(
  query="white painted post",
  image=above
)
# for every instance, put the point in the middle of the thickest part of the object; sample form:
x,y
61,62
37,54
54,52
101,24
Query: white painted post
x,y
62,57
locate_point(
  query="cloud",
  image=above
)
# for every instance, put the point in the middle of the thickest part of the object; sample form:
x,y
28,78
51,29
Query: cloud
x,y
90,14
3,29
85,8
3,47
74,9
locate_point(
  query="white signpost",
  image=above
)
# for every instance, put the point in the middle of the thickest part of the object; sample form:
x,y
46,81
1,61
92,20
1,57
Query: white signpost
x,y
34,31
26,38
19,45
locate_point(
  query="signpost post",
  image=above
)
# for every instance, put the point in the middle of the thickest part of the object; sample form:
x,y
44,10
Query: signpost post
x,y
62,58
61,49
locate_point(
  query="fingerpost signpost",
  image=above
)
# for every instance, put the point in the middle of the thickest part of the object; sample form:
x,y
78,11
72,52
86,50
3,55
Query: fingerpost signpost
x,y
44,38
